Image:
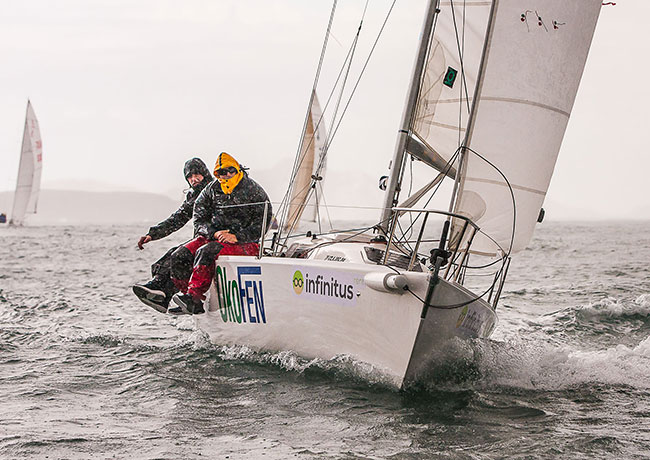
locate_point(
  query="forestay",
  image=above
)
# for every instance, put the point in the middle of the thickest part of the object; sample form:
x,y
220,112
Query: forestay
x,y
534,58
28,184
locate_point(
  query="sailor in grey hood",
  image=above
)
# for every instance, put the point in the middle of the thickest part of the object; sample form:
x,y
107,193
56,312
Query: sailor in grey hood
x,y
157,292
194,167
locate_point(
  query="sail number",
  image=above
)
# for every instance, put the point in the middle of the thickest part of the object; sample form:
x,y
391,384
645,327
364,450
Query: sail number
x,y
450,77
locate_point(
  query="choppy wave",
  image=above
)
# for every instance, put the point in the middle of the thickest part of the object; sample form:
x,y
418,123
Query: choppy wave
x,y
614,308
87,369
533,365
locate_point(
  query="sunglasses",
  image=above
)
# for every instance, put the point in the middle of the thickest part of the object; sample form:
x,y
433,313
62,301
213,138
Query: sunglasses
x,y
226,171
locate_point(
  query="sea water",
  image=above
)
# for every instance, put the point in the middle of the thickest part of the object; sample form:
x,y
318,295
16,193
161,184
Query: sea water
x,y
86,371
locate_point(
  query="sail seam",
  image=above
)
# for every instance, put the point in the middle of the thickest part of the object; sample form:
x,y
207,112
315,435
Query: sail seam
x,y
526,102
442,125
451,101
479,3
505,99
514,186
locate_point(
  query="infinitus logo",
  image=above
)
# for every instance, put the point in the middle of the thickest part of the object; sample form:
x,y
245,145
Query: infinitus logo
x,y
298,282
325,286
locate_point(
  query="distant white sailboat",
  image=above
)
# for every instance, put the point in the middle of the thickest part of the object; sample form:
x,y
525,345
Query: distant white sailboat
x,y
28,184
489,101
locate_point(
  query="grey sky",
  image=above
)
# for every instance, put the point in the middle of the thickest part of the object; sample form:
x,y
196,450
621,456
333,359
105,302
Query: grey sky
x,y
125,91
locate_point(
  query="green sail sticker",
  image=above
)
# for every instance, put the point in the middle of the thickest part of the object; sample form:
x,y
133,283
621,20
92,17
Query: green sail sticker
x,y
450,77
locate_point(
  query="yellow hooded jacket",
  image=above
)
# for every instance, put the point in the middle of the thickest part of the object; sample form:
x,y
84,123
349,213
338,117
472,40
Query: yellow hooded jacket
x,y
223,161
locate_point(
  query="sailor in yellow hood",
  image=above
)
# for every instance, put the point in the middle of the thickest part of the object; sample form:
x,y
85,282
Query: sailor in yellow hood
x,y
228,219
228,172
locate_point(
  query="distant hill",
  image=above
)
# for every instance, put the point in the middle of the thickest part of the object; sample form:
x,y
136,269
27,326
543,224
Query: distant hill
x,y
81,207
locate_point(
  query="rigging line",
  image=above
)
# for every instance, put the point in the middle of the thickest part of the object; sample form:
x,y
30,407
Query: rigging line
x,y
329,243
411,191
318,214
316,78
435,190
460,54
462,85
347,62
419,100
318,71
404,239
424,69
363,69
333,132
444,307
421,93
334,232
330,133
327,211
347,65
311,184
302,206
286,199
512,195
363,230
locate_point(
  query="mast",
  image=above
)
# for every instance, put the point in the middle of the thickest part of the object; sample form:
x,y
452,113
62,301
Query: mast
x,y
396,168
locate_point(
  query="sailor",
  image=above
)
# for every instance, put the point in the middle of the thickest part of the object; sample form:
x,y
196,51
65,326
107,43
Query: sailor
x,y
228,220
158,292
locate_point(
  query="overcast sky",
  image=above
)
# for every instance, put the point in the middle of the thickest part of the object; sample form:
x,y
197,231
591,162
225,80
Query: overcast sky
x,y
126,91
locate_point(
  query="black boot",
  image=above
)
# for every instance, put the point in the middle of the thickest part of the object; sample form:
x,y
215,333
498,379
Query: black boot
x,y
187,305
153,294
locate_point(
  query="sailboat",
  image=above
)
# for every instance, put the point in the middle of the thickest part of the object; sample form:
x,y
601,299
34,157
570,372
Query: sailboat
x,y
490,96
28,184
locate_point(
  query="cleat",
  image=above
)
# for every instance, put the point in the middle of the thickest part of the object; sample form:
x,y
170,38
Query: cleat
x,y
188,304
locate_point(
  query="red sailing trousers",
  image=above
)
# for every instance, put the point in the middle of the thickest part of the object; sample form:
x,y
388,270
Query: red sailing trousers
x,y
204,253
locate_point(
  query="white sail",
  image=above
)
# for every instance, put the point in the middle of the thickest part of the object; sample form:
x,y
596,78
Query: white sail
x,y
28,184
312,162
447,88
534,58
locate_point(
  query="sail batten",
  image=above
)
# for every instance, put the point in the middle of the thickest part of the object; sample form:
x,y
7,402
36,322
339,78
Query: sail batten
x,y
30,165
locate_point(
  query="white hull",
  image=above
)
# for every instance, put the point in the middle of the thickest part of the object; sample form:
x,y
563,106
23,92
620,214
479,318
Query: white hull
x,y
362,319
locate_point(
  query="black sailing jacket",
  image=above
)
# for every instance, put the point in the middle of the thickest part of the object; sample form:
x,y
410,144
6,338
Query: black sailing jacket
x,y
214,211
182,216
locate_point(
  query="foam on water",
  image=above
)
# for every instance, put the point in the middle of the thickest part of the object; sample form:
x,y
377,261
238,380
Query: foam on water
x,y
614,308
338,367
529,364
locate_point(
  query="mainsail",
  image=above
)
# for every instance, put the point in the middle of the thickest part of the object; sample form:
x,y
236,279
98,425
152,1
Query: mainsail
x,y
312,163
28,184
533,61
499,84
